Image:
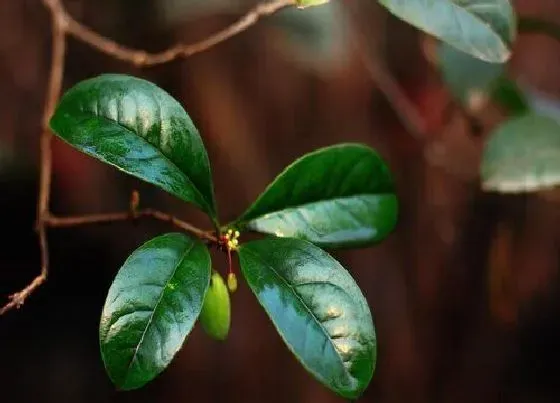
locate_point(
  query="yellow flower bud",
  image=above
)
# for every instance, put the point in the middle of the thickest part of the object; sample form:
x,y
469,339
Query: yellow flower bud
x,y
232,282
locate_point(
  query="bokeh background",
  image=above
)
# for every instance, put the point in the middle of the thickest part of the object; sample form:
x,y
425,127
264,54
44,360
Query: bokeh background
x,y
465,293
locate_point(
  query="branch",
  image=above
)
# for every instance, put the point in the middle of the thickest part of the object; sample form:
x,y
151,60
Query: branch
x,y
408,114
538,26
72,221
142,58
62,25
53,92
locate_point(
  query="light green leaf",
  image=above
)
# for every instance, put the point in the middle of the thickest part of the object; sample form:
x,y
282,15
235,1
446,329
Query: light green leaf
x,y
469,78
151,307
140,129
317,308
522,155
338,196
484,29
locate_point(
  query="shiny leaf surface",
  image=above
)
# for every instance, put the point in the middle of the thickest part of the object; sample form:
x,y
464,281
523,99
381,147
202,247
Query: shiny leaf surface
x,y
338,196
317,308
137,127
484,29
151,307
522,155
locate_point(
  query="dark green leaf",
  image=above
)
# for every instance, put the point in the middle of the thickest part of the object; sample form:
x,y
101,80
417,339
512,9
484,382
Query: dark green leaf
x,y
522,155
508,94
151,307
317,308
337,196
469,78
137,127
484,29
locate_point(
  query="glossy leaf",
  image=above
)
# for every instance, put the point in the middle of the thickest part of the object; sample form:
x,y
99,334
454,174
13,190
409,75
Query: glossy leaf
x,y
317,308
137,127
215,317
151,307
469,78
337,196
484,29
522,155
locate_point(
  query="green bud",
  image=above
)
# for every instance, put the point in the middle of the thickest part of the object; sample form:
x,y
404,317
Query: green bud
x,y
310,3
216,310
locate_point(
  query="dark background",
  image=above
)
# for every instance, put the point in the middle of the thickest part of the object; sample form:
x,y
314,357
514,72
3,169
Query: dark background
x,y
465,293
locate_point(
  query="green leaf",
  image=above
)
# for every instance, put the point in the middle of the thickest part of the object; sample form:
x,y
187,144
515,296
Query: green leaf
x,y
317,309
338,196
137,127
484,29
151,307
522,155
468,78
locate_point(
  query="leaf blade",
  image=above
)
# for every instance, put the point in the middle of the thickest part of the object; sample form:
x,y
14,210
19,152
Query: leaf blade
x,y
151,307
337,196
484,29
522,155
140,129
317,308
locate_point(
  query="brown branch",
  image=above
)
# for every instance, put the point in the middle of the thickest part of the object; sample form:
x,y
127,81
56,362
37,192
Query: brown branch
x,y
72,221
361,38
62,25
145,59
53,92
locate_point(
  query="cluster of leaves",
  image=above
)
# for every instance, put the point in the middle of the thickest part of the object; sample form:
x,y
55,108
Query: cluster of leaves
x,y
476,37
336,197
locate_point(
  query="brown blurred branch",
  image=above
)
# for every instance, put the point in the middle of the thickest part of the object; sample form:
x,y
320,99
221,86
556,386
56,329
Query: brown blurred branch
x,y
144,59
64,25
72,221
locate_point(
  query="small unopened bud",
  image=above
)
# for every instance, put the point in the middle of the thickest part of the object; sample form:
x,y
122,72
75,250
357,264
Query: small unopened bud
x,y
232,282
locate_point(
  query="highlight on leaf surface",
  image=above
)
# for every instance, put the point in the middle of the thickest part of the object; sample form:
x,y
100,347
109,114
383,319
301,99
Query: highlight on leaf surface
x,y
484,29
151,307
317,308
137,127
215,317
522,155
337,196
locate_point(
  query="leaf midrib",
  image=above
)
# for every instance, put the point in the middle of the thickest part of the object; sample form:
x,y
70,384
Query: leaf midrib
x,y
325,333
304,205
88,114
150,319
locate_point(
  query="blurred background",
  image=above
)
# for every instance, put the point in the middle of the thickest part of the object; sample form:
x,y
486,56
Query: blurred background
x,y
465,293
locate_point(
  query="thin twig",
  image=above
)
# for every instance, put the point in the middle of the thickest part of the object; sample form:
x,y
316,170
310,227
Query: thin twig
x,y
142,58
72,221
53,92
62,25
539,26
406,111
